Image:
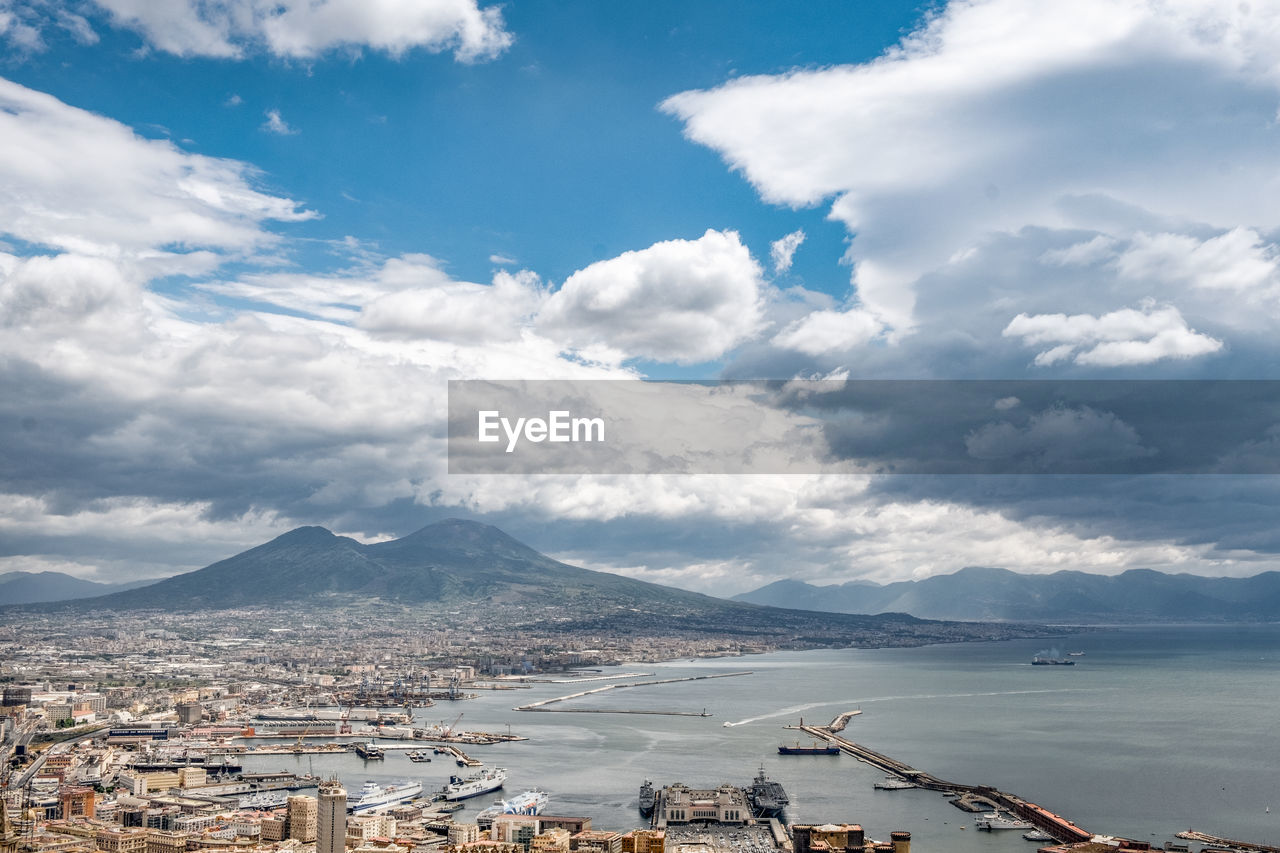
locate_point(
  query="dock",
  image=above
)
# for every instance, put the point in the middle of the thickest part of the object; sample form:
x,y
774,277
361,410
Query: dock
x,y
458,755
1218,841
1059,827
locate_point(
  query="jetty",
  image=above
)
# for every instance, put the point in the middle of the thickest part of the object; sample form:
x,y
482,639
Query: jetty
x,y
1219,841
1053,824
544,705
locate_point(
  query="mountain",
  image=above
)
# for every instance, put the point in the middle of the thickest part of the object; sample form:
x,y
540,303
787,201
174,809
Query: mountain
x,y
35,587
458,570
1076,597
450,561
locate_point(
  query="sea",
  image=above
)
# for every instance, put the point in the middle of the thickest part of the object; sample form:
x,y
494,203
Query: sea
x,y
1153,731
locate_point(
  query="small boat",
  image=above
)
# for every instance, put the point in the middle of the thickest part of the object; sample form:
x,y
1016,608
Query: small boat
x,y
418,756
1038,835
1040,661
993,821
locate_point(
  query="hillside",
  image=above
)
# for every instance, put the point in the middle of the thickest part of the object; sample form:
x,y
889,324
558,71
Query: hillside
x,y
478,573
1067,596
36,587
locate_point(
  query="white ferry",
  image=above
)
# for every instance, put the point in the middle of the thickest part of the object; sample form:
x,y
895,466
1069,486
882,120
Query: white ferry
x,y
473,786
529,803
374,796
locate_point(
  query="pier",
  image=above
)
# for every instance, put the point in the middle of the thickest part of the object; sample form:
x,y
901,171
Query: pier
x,y
544,704
1059,827
1219,841
458,755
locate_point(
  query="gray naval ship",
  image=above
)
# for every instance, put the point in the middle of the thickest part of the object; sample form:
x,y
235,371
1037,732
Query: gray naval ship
x,y
768,799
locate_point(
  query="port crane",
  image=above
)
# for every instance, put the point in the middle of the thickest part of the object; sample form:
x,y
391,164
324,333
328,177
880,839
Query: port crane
x,y
448,730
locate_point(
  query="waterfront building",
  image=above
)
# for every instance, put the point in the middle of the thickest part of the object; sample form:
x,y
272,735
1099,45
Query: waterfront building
x,y
463,833
301,816
331,817
553,840
596,841
844,838
644,841
680,804
572,825
514,829
191,777
367,826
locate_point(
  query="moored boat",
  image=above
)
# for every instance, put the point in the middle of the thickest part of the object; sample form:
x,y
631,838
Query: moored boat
x,y
473,786
374,796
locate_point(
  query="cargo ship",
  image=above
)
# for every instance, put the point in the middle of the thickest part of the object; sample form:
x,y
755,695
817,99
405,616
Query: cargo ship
x,y
473,786
816,749
647,798
529,803
373,796
768,799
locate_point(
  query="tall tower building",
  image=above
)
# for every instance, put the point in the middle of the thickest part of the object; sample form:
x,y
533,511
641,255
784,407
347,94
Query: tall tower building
x,y
331,820
301,814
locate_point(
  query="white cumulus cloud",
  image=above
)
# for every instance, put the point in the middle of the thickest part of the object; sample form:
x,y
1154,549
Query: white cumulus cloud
x,y
277,125
681,301
308,28
1125,337
783,250
998,116
77,181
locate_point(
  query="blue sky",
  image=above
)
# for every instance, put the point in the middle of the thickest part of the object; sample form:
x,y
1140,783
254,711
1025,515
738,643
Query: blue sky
x,y
244,246
554,153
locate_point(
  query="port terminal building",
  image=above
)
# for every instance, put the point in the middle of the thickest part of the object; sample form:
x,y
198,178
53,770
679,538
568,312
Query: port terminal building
x,y
679,804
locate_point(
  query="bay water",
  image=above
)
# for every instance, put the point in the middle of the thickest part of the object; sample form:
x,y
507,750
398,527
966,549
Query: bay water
x,y
1154,730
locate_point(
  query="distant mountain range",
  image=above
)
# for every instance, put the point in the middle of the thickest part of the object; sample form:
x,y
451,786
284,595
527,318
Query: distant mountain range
x,y
989,594
467,570
35,587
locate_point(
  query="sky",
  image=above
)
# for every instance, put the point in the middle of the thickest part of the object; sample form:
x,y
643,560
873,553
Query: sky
x,y
245,245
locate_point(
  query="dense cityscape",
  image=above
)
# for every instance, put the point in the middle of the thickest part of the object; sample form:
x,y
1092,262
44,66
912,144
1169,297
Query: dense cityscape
x,y
126,732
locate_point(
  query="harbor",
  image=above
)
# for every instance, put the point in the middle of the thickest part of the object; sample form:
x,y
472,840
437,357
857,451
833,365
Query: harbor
x,y
1060,828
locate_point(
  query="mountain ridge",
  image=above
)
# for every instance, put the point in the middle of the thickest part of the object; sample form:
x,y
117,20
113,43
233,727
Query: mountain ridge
x,y
21,587
463,573
995,594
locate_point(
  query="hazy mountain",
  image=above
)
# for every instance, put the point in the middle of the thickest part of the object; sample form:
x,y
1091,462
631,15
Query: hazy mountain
x,y
1075,597
476,571
33,587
